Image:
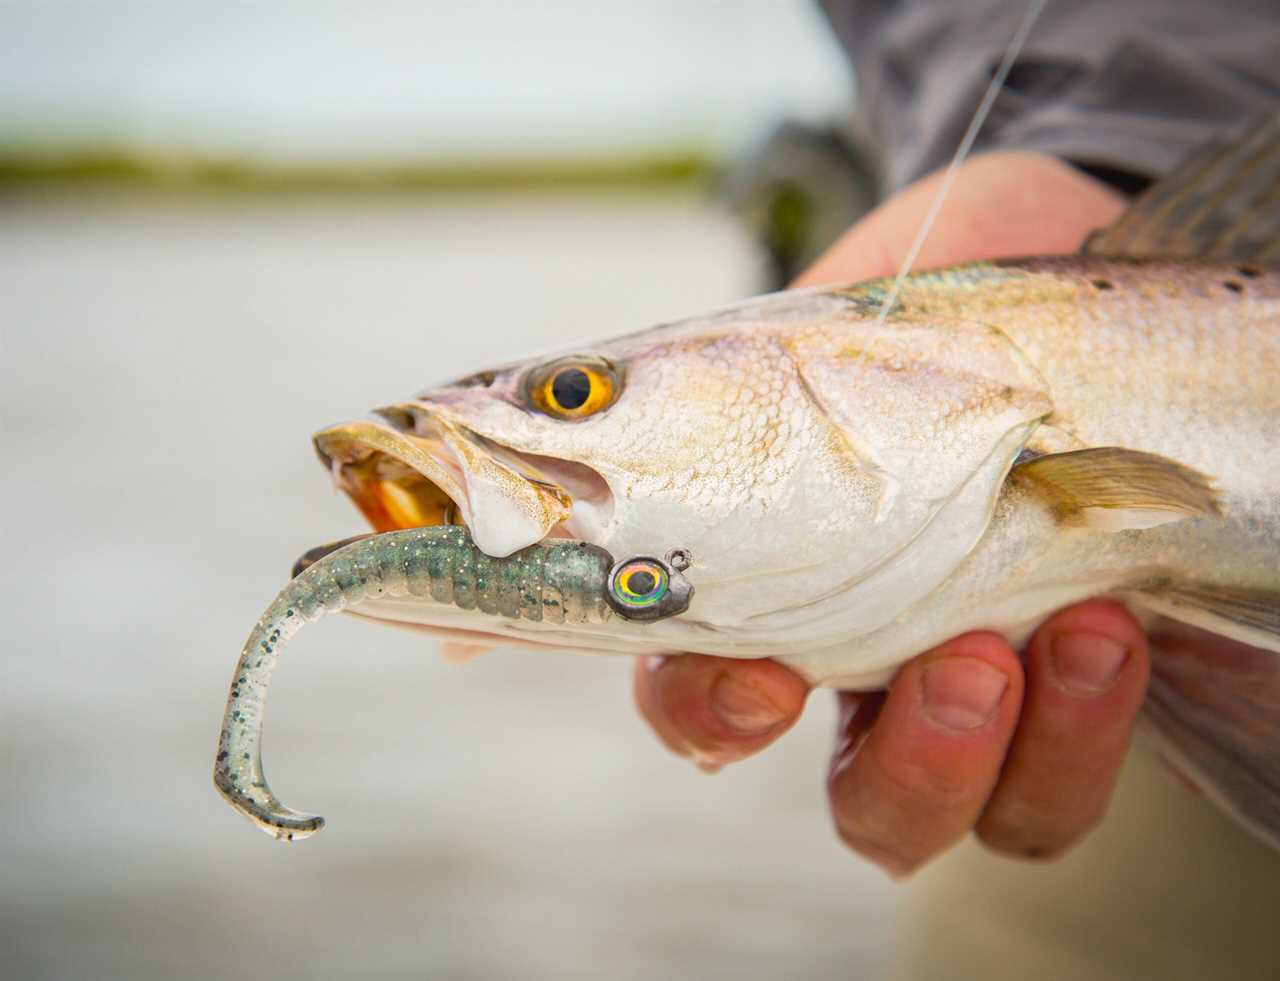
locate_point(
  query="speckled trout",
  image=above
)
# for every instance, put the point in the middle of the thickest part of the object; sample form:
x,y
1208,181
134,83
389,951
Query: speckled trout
x,y
1013,437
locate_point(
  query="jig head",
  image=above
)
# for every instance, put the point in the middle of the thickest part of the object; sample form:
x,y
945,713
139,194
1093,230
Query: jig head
x,y
644,588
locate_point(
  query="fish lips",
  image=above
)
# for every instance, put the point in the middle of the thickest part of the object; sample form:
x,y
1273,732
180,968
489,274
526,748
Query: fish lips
x,y
420,467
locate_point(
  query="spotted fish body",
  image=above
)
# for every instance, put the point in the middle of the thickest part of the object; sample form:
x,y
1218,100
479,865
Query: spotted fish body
x,y
1013,436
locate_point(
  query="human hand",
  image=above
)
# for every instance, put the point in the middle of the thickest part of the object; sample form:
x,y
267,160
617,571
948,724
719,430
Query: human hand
x,y
968,737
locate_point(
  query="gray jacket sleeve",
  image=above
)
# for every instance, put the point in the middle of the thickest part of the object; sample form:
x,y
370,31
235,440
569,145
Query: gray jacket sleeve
x,y
1119,87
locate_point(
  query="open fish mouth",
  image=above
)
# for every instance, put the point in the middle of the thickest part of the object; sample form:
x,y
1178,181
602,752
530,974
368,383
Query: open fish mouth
x,y
420,468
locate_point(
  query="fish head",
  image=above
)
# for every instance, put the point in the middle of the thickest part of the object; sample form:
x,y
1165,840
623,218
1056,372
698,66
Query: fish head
x,y
790,445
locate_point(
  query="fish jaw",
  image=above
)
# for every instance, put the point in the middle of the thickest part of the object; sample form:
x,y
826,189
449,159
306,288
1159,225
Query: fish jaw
x,y
442,473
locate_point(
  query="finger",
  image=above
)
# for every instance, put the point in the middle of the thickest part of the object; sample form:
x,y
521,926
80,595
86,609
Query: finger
x,y
857,713
1087,671
717,710
915,780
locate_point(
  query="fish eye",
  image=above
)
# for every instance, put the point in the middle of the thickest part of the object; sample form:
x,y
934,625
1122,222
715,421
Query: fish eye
x,y
639,584
573,388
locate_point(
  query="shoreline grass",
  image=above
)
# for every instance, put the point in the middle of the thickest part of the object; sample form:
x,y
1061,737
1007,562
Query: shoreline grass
x,y
111,167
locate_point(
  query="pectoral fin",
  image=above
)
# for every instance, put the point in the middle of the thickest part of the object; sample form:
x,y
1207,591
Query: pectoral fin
x,y
1114,489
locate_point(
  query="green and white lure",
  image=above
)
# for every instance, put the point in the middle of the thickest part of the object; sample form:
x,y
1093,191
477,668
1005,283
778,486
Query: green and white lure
x,y
562,581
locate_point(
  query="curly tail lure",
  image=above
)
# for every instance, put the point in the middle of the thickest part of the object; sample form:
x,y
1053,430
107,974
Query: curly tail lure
x,y
559,582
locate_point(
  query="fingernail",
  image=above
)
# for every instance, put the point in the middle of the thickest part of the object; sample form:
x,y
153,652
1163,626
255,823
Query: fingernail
x,y
744,708
1086,664
962,693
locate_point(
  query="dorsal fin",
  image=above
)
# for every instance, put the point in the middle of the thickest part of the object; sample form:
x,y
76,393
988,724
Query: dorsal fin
x,y
1223,202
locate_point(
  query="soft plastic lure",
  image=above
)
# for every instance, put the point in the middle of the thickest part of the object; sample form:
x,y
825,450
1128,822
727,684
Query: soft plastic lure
x,y
559,582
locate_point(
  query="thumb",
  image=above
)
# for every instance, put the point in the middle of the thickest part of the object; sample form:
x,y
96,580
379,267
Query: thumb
x,y
717,710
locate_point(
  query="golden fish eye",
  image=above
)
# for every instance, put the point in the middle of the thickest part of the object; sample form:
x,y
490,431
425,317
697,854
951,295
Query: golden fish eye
x,y
574,388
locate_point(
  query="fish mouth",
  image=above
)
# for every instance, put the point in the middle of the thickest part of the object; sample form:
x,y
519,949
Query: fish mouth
x,y
417,467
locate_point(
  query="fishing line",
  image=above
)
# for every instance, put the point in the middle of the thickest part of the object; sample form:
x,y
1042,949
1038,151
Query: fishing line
x,y
962,151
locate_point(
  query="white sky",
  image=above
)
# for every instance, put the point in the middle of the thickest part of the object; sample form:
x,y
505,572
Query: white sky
x,y
350,82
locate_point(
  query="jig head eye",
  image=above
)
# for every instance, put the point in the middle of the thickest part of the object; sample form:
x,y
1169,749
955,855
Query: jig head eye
x,y
645,588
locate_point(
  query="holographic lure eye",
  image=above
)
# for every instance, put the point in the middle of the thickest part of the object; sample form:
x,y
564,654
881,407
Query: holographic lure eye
x,y
640,583
645,588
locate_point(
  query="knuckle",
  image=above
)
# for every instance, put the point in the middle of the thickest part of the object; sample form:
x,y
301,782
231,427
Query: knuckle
x,y
1017,843
887,856
1035,830
895,834
921,786
1016,846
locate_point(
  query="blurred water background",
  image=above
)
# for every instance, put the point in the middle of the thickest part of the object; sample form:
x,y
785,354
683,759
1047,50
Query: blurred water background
x,y
223,226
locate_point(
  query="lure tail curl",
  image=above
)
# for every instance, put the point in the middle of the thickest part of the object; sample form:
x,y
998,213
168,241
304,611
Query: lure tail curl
x,y
562,581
